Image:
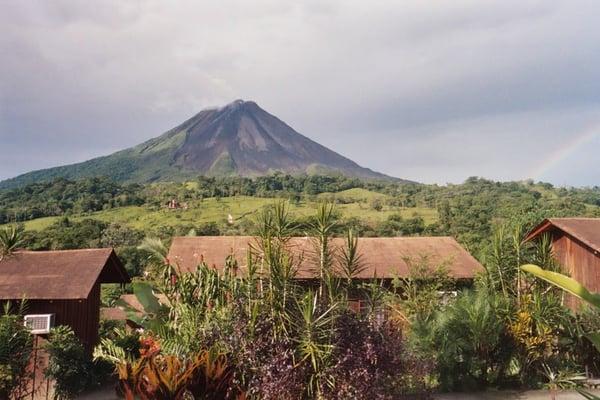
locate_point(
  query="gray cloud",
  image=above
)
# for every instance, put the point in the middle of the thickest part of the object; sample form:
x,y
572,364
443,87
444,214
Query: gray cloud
x,y
434,92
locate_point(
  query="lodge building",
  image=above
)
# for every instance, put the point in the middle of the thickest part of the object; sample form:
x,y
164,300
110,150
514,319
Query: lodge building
x,y
576,247
61,287
383,258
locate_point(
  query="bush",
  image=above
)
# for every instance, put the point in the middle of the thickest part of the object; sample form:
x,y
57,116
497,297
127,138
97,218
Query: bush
x,y
470,341
15,352
372,361
159,375
115,331
265,363
377,204
68,365
134,260
368,360
586,322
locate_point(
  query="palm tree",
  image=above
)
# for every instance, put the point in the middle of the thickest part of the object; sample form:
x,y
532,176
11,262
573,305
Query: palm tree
x,y
157,251
159,268
10,239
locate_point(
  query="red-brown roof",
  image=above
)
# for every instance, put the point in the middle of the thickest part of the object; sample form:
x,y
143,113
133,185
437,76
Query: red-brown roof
x,y
586,230
119,314
383,257
61,274
113,313
132,302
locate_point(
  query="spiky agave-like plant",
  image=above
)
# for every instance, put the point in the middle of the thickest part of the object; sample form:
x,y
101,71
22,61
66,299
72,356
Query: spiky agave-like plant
x,y
322,227
314,335
277,265
11,238
350,260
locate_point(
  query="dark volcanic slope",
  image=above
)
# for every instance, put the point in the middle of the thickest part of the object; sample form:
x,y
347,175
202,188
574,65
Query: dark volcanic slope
x,y
238,139
254,142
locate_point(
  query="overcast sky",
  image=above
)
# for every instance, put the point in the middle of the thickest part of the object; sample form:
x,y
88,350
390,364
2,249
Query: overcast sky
x,y
434,91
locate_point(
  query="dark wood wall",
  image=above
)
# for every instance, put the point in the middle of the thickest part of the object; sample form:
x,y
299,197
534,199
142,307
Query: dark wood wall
x,y
83,316
579,261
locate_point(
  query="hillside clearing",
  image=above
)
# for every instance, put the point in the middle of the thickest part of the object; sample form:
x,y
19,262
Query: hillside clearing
x,y
240,207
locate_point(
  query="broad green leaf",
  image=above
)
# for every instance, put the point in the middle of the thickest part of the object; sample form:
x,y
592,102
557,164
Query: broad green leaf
x,y
124,305
595,339
587,395
155,325
145,296
575,288
135,317
564,282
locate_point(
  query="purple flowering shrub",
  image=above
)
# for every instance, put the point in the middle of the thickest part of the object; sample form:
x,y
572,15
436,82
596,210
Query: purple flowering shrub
x,y
368,361
371,361
264,362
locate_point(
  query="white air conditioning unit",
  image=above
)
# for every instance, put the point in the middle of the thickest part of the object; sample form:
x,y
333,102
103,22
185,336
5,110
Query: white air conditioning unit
x,y
39,324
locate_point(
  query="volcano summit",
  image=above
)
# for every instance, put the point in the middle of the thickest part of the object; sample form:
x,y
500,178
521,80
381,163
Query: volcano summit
x,y
239,139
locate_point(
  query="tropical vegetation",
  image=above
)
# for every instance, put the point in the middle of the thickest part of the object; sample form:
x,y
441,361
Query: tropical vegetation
x,y
266,335
16,347
257,333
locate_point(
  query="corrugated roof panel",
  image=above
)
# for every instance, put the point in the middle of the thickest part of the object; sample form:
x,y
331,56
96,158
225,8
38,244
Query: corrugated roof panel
x,y
383,257
54,275
586,230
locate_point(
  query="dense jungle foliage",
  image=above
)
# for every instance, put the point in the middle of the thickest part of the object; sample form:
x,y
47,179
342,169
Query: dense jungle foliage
x,y
97,212
263,335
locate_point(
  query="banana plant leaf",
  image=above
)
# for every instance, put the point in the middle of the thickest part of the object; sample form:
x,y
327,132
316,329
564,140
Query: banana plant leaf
x,y
153,316
595,339
145,295
564,282
572,286
587,395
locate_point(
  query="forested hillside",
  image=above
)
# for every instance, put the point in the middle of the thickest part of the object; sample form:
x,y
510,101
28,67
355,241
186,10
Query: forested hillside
x,y
99,212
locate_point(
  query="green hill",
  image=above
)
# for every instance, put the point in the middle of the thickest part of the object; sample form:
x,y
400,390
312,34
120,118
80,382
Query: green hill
x,y
213,210
147,162
88,212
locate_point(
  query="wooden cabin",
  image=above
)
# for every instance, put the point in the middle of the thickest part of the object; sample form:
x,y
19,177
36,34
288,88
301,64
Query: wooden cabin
x,y
383,258
64,284
576,246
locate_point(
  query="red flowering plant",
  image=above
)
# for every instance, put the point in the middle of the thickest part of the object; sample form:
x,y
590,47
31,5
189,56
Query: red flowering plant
x,y
149,347
158,376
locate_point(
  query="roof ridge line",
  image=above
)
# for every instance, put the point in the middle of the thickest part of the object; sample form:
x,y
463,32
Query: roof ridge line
x,y
63,250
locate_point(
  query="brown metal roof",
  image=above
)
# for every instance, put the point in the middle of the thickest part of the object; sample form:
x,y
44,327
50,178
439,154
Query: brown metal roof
x,y
586,230
383,257
118,314
113,313
56,275
132,301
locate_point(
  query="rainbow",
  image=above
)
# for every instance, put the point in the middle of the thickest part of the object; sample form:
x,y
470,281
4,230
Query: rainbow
x,y
564,151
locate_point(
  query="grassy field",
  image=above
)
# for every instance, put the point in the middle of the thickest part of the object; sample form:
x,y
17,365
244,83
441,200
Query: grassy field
x,y
240,207
355,195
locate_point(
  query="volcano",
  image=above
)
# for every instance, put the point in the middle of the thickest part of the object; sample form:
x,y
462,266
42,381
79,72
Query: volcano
x,y
239,139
